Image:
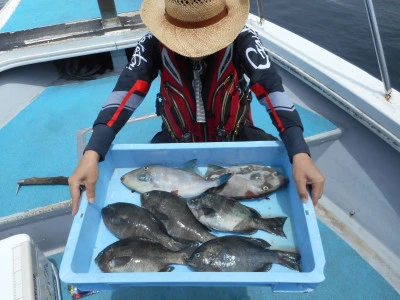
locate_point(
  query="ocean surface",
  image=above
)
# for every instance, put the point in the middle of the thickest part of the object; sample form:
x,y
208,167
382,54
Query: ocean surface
x,y
342,27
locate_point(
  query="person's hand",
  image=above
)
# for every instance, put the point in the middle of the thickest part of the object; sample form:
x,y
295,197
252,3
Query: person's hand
x,y
305,172
85,174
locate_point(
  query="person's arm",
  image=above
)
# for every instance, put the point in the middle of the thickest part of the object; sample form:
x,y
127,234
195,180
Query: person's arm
x,y
266,84
129,92
86,175
306,173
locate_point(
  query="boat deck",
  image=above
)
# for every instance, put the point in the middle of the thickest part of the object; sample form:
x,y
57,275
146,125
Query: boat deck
x,y
41,141
38,138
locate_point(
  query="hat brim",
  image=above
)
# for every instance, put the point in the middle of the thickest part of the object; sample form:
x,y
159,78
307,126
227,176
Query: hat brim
x,y
200,41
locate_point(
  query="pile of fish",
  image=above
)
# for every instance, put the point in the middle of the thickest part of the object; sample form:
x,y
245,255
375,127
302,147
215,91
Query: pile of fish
x,y
179,211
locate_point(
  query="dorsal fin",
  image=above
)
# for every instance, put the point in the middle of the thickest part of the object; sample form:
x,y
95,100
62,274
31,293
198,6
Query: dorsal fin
x,y
213,168
192,166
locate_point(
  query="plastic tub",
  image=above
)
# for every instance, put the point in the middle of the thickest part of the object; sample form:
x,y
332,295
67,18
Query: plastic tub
x,y
89,236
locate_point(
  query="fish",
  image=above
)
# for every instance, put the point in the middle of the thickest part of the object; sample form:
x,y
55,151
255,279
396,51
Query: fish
x,y
234,253
227,214
178,181
248,181
177,218
127,220
139,254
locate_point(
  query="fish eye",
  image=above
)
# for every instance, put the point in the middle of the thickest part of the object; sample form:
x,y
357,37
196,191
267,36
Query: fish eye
x,y
265,188
145,168
147,194
197,254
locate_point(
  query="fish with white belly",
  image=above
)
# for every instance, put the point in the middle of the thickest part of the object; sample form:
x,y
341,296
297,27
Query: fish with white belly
x,y
227,214
248,181
178,181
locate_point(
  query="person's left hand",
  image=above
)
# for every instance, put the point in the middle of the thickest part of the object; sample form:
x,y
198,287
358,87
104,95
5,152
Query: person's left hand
x,y
305,172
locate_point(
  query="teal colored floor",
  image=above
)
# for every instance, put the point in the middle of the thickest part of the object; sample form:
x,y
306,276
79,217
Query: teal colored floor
x,y
41,140
39,13
347,275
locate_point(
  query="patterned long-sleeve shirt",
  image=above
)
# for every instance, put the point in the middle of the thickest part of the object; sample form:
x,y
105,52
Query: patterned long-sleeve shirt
x,y
250,59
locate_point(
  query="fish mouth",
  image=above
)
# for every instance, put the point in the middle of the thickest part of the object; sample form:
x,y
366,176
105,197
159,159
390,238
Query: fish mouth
x,y
123,178
284,179
98,257
107,211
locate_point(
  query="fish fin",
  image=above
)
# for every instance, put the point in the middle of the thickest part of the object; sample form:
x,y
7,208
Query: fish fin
x,y
208,211
265,268
223,179
167,269
254,212
155,219
248,232
121,261
290,260
213,168
259,242
192,166
272,225
161,216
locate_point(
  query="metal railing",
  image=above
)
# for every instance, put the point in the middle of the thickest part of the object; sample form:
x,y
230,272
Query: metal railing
x,y
378,47
376,39
109,15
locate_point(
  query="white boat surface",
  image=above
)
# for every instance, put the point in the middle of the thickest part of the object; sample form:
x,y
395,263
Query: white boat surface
x,y
356,146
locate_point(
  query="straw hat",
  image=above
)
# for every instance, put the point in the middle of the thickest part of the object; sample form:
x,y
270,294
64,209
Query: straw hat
x,y
195,28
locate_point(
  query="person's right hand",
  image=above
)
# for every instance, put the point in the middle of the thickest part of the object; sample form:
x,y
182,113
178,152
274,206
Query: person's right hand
x,y
85,174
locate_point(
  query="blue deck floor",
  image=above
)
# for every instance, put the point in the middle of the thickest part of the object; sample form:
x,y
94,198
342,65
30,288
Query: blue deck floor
x,y
39,13
347,275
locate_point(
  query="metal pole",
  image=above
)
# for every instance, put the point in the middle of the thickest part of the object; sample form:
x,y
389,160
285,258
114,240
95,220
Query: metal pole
x,y
378,47
108,11
260,10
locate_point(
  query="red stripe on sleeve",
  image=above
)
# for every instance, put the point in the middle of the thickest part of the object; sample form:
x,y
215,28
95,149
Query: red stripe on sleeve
x,y
140,86
260,91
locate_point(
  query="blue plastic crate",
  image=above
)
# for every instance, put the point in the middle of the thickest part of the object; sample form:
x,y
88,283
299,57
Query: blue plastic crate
x,y
89,236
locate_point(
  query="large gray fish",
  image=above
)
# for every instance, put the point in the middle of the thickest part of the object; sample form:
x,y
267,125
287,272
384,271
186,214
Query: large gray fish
x,y
127,220
177,218
247,182
240,254
178,181
227,214
140,255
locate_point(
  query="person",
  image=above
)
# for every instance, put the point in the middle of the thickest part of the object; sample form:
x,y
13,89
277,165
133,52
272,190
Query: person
x,y
208,62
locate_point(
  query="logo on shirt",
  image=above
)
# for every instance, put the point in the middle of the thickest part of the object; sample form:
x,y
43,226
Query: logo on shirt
x,y
257,56
137,57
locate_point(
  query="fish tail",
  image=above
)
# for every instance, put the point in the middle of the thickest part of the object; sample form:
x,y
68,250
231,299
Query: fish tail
x,y
272,225
290,260
223,179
